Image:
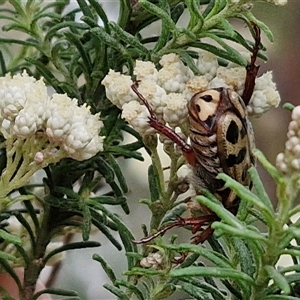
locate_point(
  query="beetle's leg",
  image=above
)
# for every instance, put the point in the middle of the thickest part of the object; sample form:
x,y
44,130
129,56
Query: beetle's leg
x,y
162,128
195,222
252,68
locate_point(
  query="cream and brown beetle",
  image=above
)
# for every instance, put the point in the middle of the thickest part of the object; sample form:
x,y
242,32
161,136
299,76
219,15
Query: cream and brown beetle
x,y
221,142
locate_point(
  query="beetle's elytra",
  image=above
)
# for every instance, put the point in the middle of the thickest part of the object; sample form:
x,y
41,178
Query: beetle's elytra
x,y
221,138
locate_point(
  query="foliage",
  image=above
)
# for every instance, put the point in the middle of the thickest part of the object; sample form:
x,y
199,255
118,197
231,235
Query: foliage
x,y
73,56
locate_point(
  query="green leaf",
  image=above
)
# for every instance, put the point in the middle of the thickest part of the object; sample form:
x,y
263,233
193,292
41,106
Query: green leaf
x,y
125,12
195,291
212,272
160,13
86,61
87,221
123,151
279,279
10,238
144,272
129,39
268,166
115,166
246,195
187,59
177,11
66,24
102,227
153,182
260,24
101,13
72,246
165,32
215,8
132,288
27,226
174,213
102,35
46,73
259,188
241,232
7,256
244,256
125,234
105,169
196,19
232,54
110,200
85,8
32,212
116,291
214,257
106,267
288,106
219,209
213,290
56,291
2,64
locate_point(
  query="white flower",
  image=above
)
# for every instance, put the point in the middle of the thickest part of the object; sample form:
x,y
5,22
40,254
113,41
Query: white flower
x,y
154,94
207,64
145,70
265,95
278,2
25,123
175,112
153,260
137,116
118,88
289,161
168,89
197,84
232,77
18,91
173,75
73,128
27,112
60,110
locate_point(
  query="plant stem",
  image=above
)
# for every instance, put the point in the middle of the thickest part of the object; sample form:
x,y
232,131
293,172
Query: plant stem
x,y
33,270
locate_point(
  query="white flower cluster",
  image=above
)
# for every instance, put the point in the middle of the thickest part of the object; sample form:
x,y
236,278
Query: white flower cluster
x,y
26,111
289,161
278,2
169,89
153,261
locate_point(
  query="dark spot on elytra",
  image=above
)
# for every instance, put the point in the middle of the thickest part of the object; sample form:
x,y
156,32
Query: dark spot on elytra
x,y
209,121
244,174
198,108
233,159
232,134
207,98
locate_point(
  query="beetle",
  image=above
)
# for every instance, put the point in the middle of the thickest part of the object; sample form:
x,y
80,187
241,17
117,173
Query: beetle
x,y
221,141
